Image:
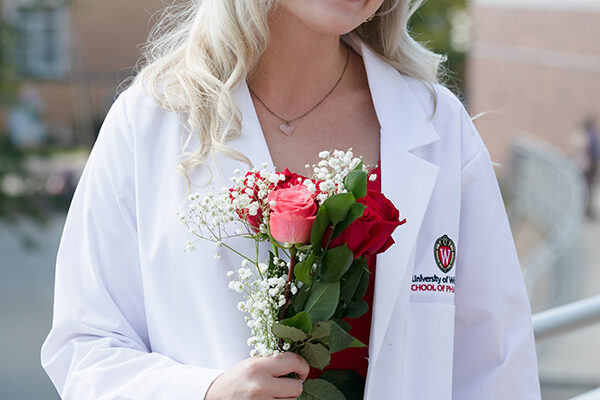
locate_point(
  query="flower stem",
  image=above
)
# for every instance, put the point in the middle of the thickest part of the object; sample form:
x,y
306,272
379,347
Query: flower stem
x,y
287,291
275,249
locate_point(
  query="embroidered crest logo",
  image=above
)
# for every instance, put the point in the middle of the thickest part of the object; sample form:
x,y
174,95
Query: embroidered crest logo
x,y
444,252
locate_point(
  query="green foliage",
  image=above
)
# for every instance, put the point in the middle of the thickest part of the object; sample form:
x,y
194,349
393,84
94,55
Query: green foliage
x,y
340,339
316,355
319,226
327,293
302,269
355,212
338,206
288,332
349,382
356,182
300,298
300,321
320,389
351,279
336,262
322,300
355,309
321,330
361,289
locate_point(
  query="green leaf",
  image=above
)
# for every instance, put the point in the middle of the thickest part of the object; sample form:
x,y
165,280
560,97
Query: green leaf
x,y
321,329
289,332
336,262
301,321
302,247
300,298
356,309
272,266
316,355
319,226
302,269
322,300
356,182
356,211
350,280
348,381
320,389
340,339
343,324
363,284
338,206
324,341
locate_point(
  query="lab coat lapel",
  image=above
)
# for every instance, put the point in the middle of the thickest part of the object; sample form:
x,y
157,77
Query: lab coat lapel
x,y
408,181
251,142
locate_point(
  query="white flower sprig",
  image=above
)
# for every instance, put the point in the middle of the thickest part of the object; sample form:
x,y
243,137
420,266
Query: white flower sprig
x,y
264,296
331,171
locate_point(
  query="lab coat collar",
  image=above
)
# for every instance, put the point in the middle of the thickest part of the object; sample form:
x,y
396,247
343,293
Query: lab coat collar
x,y
407,180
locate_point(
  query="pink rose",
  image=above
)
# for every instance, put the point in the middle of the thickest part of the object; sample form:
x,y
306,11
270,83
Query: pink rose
x,y
292,214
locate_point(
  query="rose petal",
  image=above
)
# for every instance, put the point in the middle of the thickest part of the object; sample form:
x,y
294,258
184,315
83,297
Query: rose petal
x,y
291,228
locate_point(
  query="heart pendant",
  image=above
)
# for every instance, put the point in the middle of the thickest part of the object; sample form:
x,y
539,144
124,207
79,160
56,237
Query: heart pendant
x,y
287,129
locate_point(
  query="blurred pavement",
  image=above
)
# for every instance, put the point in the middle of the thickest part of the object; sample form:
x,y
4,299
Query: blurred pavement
x,y
570,364
26,292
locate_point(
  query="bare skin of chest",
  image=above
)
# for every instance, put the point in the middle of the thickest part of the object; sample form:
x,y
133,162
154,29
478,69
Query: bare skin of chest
x,y
345,119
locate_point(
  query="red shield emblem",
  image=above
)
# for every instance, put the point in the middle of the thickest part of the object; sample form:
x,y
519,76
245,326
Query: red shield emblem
x,y
444,252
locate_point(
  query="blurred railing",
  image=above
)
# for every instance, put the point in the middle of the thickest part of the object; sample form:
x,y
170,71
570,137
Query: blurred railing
x,y
568,317
546,189
592,395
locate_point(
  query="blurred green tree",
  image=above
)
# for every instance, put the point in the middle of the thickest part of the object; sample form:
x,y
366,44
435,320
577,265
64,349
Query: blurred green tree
x,y
443,26
15,197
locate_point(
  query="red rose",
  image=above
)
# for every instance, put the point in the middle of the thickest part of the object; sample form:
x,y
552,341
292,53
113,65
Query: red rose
x,y
371,233
291,179
253,220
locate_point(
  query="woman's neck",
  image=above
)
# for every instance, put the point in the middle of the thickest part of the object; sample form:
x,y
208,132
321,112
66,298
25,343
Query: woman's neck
x,y
298,66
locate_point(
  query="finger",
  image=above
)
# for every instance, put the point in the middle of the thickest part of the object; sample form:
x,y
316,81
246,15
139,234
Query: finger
x,y
285,363
285,387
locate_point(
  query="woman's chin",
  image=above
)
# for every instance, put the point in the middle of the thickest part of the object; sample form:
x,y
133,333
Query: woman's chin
x,y
330,17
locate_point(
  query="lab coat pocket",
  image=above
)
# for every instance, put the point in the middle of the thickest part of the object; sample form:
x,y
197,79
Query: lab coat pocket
x,y
429,347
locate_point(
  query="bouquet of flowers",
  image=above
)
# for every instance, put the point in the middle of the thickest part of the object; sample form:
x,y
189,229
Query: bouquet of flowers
x,y
320,230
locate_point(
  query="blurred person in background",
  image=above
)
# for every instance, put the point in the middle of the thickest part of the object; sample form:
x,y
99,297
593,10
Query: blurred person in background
x,y
584,147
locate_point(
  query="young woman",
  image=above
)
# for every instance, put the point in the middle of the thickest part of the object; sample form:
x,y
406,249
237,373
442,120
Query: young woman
x,y
233,83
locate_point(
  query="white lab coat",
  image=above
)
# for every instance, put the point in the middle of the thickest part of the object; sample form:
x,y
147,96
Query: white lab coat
x,y
137,317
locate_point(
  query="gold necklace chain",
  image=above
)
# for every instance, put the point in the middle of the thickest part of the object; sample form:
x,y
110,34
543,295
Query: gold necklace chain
x,y
286,127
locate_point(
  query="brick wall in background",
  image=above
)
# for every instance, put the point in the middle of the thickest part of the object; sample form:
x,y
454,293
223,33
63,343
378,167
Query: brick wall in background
x,y
537,67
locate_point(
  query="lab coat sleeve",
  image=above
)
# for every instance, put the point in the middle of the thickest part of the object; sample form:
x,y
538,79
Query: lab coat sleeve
x,y
98,347
494,349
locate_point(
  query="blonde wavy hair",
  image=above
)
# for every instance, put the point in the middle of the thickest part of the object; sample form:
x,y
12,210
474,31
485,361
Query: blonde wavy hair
x,y
200,50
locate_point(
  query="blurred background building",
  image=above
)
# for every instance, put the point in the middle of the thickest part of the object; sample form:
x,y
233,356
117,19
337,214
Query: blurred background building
x,y
528,69
71,56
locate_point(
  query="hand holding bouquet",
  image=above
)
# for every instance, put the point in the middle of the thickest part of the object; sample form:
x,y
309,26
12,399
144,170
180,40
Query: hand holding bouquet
x,y
320,230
